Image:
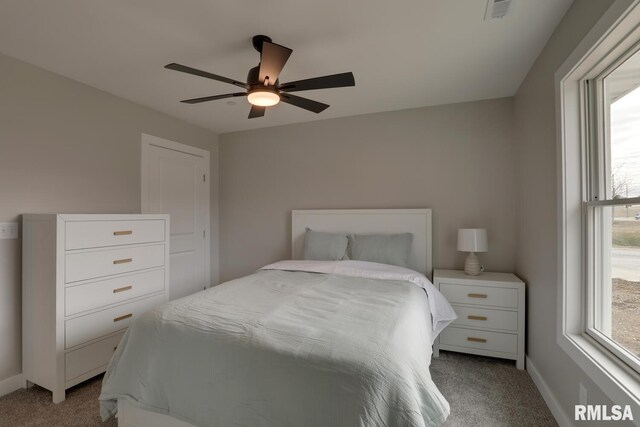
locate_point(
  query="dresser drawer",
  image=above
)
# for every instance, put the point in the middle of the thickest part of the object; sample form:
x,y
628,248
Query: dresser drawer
x,y
105,292
93,356
89,265
486,318
480,295
95,325
469,338
96,234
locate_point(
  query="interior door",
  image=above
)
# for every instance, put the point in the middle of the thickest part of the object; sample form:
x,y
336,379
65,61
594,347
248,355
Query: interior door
x,y
175,182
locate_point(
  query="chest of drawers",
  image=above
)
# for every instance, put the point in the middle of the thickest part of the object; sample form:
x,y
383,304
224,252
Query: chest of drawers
x,y
491,314
85,278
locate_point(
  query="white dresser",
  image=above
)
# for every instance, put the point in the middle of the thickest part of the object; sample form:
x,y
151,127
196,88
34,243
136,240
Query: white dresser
x,y
85,278
491,314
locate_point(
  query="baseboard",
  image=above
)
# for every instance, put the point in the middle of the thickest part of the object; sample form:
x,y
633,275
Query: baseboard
x,y
556,409
10,384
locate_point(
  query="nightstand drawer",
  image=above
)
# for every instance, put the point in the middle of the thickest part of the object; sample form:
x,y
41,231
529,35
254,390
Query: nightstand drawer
x,y
469,338
486,318
480,295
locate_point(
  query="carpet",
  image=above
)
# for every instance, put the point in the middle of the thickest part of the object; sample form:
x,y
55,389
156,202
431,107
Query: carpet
x,y
482,392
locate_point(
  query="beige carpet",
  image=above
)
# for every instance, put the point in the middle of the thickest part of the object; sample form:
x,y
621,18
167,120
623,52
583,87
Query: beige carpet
x,y
33,407
481,391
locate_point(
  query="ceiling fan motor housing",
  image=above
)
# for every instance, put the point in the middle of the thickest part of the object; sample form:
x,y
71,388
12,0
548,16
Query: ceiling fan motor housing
x,y
253,78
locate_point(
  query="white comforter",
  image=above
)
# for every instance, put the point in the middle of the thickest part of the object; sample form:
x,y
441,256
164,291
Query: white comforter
x,y
288,348
441,311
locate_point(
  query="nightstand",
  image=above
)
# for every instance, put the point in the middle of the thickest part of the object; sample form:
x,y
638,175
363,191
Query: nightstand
x,y
491,314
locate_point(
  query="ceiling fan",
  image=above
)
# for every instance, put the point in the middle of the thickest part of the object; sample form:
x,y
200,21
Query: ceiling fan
x,y
263,88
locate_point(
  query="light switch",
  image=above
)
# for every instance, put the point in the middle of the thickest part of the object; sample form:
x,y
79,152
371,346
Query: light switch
x,y
8,230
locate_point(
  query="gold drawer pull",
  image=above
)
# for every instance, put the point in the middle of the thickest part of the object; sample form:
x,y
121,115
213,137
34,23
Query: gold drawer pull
x,y
122,261
472,339
477,295
122,289
122,233
472,317
125,316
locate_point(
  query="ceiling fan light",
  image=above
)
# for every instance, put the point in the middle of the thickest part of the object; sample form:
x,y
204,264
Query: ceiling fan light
x,y
263,98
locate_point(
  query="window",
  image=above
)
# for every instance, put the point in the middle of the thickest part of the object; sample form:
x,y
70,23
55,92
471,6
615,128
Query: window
x,y
611,195
598,120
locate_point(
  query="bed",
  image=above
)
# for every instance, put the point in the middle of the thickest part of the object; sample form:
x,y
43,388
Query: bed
x,y
313,343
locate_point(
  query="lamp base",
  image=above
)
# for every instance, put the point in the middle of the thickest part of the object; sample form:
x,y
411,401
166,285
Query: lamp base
x,y
472,265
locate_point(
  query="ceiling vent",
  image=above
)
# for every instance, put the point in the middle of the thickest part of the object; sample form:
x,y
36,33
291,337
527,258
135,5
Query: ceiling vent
x,y
498,9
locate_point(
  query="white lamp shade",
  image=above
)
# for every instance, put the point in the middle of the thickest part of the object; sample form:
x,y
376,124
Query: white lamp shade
x,y
472,240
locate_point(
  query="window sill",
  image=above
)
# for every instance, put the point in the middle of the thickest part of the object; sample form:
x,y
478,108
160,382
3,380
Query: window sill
x,y
616,380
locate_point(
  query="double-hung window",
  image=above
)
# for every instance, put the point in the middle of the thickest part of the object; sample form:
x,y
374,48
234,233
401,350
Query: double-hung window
x,y
598,111
611,194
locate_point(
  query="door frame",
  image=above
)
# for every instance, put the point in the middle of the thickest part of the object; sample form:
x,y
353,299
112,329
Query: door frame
x,y
149,141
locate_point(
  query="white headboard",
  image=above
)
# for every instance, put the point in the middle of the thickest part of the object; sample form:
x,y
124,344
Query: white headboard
x,y
368,221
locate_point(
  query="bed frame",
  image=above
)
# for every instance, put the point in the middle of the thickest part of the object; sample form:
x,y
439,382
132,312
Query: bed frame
x,y
359,221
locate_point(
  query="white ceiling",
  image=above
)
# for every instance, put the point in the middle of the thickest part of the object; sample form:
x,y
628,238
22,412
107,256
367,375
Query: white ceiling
x,y
403,54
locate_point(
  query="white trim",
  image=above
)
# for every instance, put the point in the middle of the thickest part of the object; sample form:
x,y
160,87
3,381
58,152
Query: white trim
x,y
11,384
175,146
550,399
609,38
614,378
149,141
617,12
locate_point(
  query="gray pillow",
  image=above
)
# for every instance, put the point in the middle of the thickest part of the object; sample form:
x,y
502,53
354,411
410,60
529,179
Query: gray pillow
x,y
393,249
321,246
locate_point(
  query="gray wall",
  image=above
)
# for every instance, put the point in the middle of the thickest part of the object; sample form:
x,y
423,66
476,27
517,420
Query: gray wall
x,y
457,159
66,147
535,118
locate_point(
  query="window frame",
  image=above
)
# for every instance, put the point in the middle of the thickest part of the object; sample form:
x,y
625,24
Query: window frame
x,y
610,38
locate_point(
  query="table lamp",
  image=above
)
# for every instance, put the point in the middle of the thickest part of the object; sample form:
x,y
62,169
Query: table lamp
x,y
472,240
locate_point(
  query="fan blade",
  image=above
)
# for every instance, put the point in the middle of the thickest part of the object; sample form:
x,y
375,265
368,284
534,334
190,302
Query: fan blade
x,y
325,82
272,60
256,111
213,98
195,72
307,104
